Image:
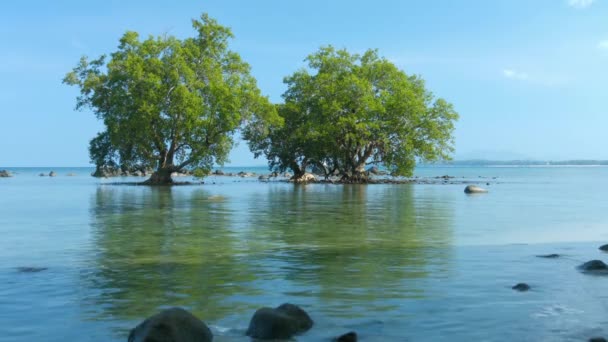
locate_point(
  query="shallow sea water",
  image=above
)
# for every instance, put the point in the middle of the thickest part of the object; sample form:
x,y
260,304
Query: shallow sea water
x,y
411,262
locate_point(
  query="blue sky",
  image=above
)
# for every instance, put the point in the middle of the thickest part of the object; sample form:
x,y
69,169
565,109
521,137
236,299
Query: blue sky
x,y
527,77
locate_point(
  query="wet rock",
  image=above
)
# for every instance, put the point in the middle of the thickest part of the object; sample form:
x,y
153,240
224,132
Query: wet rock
x,y
105,172
29,269
171,325
604,248
244,174
42,175
597,339
5,174
348,337
307,177
548,256
263,178
52,174
473,189
593,265
521,287
218,172
282,322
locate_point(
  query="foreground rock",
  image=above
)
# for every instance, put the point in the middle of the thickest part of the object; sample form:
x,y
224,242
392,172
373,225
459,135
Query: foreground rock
x,y
473,189
593,266
521,287
282,322
604,248
348,337
171,325
4,174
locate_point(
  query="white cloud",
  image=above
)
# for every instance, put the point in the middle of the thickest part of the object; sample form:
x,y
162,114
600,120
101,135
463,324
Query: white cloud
x,y
603,45
580,3
515,75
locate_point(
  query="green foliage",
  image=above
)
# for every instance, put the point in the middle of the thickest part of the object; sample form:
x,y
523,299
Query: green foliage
x,y
169,103
347,111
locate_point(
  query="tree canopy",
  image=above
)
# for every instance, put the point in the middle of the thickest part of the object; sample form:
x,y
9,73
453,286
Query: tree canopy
x,y
170,103
346,111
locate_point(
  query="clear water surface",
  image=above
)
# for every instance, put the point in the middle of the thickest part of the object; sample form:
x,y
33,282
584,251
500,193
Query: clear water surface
x,y
392,262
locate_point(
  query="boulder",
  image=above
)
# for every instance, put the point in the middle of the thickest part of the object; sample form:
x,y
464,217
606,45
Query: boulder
x,y
597,339
263,178
282,322
42,175
473,189
171,325
604,248
307,177
52,174
218,172
4,174
348,337
521,287
593,265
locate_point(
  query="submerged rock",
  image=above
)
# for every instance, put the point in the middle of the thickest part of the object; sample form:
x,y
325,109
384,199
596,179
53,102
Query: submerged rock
x,y
604,248
473,189
597,339
594,265
171,325
5,174
521,287
549,256
348,337
282,322
29,269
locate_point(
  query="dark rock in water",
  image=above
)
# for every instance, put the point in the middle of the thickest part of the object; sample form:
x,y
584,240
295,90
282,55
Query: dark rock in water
x,y
521,287
171,325
604,248
218,172
472,189
31,269
263,178
4,174
597,339
282,322
594,265
548,256
348,337
42,175
52,174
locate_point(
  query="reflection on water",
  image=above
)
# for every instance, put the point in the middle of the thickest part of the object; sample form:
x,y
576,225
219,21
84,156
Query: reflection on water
x,y
346,250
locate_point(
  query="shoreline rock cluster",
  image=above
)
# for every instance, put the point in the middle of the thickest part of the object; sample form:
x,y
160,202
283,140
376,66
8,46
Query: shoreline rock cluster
x,y
178,325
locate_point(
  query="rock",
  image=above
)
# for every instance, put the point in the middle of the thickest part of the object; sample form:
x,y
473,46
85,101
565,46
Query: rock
x,y
283,322
5,174
316,170
348,337
264,178
604,248
472,189
29,269
548,256
521,287
138,173
52,174
287,175
106,172
374,170
218,172
593,265
171,325
42,175
244,174
597,339
307,177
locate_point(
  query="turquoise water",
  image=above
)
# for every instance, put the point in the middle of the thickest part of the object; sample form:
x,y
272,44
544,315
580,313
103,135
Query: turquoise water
x,y
411,262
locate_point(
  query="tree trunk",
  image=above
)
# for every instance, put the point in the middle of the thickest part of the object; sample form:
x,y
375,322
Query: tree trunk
x,y
162,176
